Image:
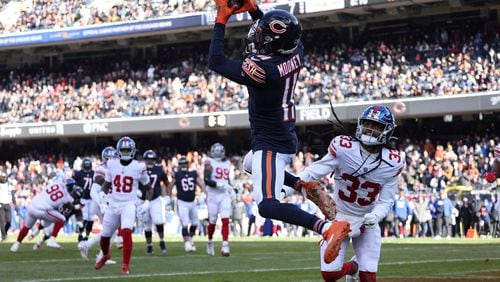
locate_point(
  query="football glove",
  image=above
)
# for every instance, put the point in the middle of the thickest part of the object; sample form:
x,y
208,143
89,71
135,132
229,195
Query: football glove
x,y
371,220
223,11
490,177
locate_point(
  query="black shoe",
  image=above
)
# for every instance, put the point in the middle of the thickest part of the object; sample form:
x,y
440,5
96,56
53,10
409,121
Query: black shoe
x,y
163,248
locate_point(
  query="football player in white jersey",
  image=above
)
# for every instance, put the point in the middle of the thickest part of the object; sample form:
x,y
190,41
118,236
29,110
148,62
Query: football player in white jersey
x,y
50,205
123,177
216,175
366,173
100,202
492,175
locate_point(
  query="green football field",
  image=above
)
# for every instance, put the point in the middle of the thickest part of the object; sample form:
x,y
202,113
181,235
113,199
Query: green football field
x,y
256,259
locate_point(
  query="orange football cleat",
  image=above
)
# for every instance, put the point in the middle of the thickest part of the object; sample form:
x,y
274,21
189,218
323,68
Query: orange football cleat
x,y
334,236
318,195
100,263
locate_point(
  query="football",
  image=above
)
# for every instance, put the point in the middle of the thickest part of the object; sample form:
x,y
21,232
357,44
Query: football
x,y
66,209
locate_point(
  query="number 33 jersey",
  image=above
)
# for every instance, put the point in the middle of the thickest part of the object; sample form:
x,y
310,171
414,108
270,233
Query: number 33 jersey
x,y
125,179
362,180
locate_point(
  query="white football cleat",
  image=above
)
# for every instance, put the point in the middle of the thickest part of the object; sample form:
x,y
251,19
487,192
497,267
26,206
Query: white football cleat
x,y
100,255
38,245
53,244
15,247
355,276
84,250
187,247
224,251
210,248
193,247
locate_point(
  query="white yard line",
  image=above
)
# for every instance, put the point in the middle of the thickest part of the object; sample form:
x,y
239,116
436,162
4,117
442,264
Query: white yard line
x,y
148,275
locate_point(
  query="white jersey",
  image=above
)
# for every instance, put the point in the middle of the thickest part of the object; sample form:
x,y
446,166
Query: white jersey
x,y
497,153
52,197
221,170
100,171
364,182
125,180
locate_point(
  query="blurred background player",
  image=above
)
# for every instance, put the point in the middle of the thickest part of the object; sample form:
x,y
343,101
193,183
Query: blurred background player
x,y
50,205
84,178
366,173
156,214
6,198
100,202
122,183
492,175
185,182
270,71
218,190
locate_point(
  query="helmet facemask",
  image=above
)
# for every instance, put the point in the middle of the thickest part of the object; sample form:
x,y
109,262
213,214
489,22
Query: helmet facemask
x,y
370,136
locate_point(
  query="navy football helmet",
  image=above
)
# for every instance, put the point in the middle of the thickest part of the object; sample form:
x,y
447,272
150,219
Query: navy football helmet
x,y
379,114
278,32
87,165
150,158
126,148
183,163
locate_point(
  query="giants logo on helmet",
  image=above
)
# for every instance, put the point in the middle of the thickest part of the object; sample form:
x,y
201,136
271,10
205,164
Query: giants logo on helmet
x,y
277,27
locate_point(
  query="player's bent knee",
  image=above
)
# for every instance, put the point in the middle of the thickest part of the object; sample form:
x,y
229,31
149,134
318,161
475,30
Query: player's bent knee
x,y
266,207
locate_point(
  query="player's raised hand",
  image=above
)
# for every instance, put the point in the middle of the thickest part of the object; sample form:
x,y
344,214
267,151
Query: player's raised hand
x,y
224,12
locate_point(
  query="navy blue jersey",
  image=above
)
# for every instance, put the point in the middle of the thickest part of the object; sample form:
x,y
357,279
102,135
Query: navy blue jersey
x,y
185,181
84,180
271,84
156,175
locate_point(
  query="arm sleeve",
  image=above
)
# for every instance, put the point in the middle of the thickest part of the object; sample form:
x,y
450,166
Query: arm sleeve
x,y
386,199
246,72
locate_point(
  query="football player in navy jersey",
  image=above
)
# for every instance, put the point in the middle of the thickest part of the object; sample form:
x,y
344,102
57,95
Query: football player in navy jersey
x,y
156,214
270,71
84,179
186,181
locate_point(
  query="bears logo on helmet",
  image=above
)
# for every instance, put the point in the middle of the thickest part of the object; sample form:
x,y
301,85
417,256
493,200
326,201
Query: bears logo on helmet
x,y
277,32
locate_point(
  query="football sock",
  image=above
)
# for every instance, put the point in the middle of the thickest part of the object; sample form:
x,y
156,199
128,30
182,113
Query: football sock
x,y
347,268
149,236
159,229
57,226
210,230
105,245
22,234
192,230
88,227
367,276
127,245
225,229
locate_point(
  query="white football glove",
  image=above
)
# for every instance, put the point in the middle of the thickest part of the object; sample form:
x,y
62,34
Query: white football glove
x,y
371,220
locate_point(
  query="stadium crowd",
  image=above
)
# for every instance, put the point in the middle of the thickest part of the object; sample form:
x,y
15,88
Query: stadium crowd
x,y
54,14
431,167
425,63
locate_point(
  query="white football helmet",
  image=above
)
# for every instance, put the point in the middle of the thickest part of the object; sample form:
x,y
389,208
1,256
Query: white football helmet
x,y
217,151
126,148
